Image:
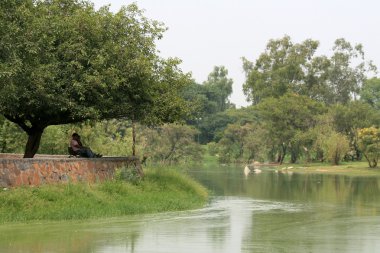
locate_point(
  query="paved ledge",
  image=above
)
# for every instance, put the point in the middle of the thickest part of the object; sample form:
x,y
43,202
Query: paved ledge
x,y
47,169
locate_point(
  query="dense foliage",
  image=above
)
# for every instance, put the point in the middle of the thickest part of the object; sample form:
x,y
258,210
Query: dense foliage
x,y
370,92
211,101
62,61
288,67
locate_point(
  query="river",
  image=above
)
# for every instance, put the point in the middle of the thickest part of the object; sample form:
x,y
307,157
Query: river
x,y
260,212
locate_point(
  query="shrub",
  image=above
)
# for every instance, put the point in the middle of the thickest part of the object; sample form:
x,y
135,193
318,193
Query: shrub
x,y
335,146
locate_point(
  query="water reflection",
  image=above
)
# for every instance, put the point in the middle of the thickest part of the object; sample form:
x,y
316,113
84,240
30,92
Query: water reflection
x,y
266,212
363,193
220,227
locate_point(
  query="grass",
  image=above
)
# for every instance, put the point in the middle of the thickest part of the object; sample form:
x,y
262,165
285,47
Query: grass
x,y
160,191
345,168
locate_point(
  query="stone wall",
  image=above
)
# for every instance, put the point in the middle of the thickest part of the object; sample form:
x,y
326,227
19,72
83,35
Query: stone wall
x,y
16,171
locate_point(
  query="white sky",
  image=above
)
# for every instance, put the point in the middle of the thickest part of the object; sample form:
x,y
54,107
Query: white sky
x,y
208,33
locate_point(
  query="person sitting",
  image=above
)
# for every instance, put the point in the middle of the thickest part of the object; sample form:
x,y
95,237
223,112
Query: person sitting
x,y
78,148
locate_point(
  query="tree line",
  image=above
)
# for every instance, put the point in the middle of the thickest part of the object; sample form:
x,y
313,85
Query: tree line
x,y
67,67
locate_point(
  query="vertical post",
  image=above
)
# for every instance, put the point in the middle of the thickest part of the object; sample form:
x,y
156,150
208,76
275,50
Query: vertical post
x,y
133,138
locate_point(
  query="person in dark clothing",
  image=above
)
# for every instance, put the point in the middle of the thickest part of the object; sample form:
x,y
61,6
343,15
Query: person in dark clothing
x,y
78,148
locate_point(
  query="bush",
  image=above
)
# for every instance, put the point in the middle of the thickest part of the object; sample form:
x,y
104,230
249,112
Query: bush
x,y
335,146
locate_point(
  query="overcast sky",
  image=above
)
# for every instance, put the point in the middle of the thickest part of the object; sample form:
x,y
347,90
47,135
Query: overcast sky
x,y
208,33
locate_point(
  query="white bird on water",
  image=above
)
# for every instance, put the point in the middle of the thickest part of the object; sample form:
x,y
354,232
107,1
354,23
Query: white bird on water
x,y
246,170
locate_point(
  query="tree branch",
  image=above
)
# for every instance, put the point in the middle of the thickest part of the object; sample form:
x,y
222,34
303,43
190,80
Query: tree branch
x,y
19,122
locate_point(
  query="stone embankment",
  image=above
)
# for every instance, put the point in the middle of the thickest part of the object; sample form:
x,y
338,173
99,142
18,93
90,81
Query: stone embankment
x,y
46,169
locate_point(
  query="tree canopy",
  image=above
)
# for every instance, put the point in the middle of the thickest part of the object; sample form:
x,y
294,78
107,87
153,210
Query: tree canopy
x,y
62,61
370,92
287,116
211,100
288,67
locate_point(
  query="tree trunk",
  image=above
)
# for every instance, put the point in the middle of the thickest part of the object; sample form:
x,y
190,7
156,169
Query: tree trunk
x,y
336,159
34,138
357,152
293,156
279,157
133,138
371,163
283,153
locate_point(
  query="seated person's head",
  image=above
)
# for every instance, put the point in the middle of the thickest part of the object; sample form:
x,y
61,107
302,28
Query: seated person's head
x,y
75,136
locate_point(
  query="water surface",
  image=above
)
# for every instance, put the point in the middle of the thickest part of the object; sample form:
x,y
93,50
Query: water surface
x,y
265,212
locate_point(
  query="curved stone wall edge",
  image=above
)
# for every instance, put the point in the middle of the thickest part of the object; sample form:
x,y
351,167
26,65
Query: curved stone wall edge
x,y
16,172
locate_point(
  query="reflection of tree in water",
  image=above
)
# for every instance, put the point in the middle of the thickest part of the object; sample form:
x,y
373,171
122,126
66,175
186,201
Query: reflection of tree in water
x,y
366,190
361,193
218,233
63,238
38,241
131,241
331,197
224,181
285,186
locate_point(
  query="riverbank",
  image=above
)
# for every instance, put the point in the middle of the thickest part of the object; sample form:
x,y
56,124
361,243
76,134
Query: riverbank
x,y
160,191
345,168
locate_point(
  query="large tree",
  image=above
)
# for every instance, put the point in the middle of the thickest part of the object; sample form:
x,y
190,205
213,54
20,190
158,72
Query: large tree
x,y
370,92
348,71
280,69
62,61
219,88
288,67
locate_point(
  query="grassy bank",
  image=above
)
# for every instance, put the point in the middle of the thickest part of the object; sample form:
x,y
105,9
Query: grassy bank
x,y
161,190
345,168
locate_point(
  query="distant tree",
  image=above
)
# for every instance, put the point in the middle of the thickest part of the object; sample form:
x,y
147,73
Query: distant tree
x,y
171,143
313,139
285,117
370,92
287,67
345,78
219,88
210,101
335,146
232,145
243,143
213,95
211,128
64,62
369,143
280,69
352,116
